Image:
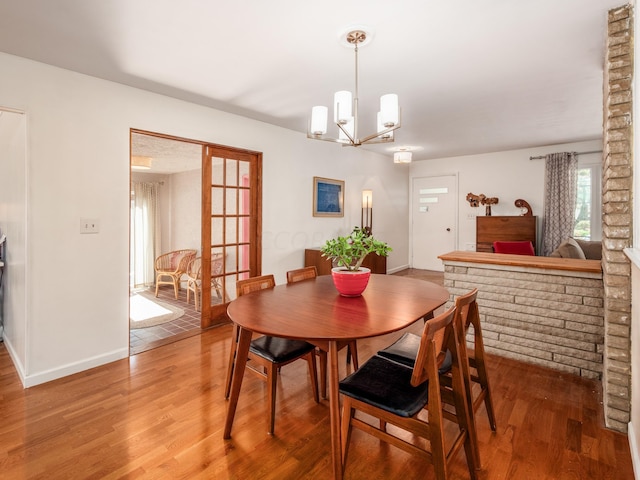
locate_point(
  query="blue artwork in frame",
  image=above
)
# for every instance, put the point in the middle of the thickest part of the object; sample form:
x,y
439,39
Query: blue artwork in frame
x,y
328,197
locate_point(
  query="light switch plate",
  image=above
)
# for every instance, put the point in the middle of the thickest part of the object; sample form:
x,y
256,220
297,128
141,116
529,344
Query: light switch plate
x,y
89,225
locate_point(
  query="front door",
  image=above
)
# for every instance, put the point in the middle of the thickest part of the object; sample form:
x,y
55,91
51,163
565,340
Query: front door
x,y
433,213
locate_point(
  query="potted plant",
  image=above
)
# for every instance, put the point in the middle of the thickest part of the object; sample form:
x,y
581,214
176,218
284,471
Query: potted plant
x,y
347,254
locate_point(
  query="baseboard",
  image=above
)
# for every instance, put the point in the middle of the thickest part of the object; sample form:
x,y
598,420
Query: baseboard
x,y
397,269
14,358
71,368
635,455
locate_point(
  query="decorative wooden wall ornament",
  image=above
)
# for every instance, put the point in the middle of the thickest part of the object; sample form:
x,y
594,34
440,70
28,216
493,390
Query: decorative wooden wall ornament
x,y
475,200
520,203
488,201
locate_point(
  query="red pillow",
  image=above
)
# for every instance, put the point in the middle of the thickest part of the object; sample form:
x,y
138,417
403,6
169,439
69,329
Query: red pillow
x,y
516,248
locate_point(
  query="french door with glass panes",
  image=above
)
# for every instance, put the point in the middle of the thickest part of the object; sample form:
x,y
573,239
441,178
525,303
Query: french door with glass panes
x,y
231,225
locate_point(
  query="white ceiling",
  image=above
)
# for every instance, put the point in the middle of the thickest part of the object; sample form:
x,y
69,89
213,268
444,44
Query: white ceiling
x,y
472,76
167,156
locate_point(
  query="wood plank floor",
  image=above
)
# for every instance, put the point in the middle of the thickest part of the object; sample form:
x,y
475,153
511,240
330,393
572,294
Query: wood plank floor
x,y
160,414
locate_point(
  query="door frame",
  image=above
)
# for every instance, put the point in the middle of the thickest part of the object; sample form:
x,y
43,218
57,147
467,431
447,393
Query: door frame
x,y
209,313
456,220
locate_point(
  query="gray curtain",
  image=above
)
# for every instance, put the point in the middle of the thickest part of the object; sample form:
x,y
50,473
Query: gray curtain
x,y
560,187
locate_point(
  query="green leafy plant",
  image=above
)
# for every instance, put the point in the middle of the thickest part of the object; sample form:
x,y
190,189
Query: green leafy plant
x,y
350,251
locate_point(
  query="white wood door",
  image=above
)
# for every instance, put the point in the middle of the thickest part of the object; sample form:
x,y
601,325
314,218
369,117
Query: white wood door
x,y
434,214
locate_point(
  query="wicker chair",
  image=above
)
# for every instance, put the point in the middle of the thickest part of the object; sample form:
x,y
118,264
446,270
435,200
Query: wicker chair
x,y
171,266
194,277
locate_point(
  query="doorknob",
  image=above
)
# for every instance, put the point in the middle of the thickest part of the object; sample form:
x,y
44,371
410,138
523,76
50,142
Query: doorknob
x,y
448,229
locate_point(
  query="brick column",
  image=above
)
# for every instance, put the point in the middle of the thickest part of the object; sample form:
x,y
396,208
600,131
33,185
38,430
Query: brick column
x,y
617,183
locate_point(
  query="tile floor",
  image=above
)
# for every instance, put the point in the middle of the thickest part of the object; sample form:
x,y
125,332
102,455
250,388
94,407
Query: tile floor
x,y
142,339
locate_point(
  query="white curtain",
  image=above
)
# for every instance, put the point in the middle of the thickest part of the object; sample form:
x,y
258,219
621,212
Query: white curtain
x,y
560,188
145,233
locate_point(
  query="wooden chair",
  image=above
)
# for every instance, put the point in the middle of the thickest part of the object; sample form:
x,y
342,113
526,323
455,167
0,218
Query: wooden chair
x,y
270,353
194,277
395,393
171,266
302,274
306,273
404,350
477,360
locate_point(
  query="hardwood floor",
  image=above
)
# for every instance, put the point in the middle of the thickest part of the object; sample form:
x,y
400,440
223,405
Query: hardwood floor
x,y
160,414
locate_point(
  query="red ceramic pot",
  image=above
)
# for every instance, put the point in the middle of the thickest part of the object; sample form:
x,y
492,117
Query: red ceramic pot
x,y
350,283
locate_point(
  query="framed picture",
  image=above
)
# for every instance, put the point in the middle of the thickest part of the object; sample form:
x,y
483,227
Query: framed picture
x,y
328,197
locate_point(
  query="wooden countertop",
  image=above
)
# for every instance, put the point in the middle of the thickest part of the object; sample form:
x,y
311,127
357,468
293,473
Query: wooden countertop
x,y
553,263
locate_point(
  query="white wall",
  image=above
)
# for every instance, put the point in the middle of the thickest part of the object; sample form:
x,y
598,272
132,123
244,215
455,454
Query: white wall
x,y
186,203
78,166
13,215
508,175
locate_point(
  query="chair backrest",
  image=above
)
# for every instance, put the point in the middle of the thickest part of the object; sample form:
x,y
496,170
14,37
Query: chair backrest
x,y
185,257
216,264
253,284
466,314
515,248
432,351
467,310
469,315
302,274
193,270
175,261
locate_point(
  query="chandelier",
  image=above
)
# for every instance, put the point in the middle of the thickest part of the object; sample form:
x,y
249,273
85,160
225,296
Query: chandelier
x,y
345,112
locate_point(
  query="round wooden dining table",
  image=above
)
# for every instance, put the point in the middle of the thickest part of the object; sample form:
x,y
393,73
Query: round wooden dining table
x,y
314,311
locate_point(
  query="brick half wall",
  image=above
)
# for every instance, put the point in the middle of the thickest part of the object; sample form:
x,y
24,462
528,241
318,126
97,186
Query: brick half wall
x,y
552,318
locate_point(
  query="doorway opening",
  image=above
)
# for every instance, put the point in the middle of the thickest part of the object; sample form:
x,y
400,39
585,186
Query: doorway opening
x,y
194,221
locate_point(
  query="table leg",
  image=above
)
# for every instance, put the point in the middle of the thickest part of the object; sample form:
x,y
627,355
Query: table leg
x,y
244,341
334,411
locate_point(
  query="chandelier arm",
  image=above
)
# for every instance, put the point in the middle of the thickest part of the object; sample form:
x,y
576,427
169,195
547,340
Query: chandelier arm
x,y
376,141
344,143
379,134
344,130
373,138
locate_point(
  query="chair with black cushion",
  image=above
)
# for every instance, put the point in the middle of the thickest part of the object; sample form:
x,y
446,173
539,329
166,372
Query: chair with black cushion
x,y
270,353
306,273
405,349
397,394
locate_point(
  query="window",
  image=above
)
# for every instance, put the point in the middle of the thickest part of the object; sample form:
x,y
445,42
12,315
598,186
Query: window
x,y
588,221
